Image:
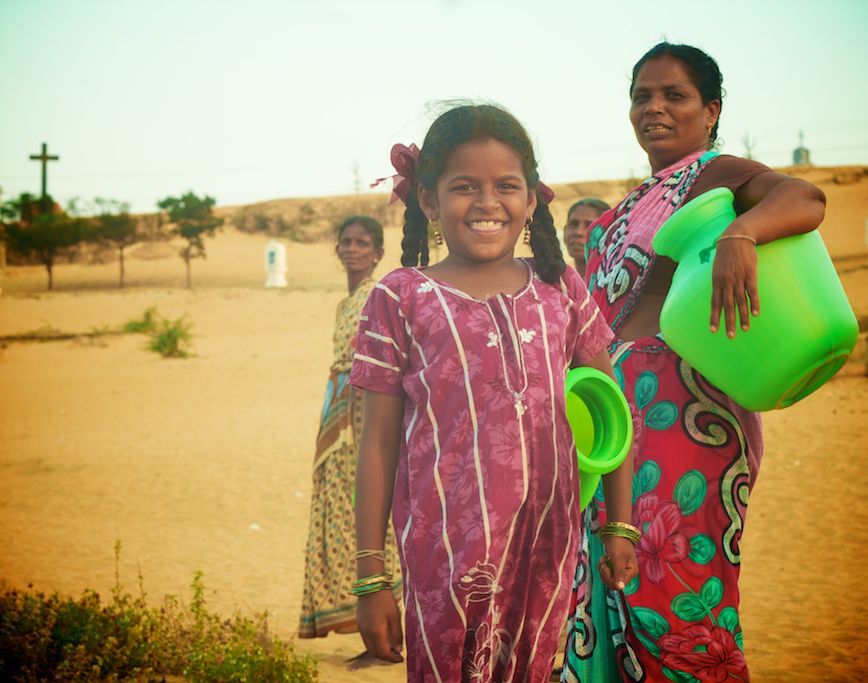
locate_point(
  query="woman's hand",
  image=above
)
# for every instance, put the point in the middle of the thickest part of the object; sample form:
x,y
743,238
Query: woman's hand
x,y
770,206
379,624
618,566
734,282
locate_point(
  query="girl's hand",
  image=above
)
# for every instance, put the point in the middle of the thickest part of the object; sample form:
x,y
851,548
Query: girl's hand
x,y
618,566
734,281
380,625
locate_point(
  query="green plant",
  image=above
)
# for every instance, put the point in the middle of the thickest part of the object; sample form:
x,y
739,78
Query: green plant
x,y
172,338
145,324
54,638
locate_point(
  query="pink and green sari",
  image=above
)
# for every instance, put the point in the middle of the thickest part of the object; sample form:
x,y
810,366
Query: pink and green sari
x,y
696,457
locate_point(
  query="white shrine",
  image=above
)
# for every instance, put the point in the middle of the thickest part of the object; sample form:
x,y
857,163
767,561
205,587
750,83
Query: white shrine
x,y
275,264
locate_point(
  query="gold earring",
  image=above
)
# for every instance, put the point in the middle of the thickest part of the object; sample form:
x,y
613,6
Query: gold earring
x,y
526,237
434,230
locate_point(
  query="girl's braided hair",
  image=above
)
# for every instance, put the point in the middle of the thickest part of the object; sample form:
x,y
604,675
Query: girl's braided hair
x,y
464,124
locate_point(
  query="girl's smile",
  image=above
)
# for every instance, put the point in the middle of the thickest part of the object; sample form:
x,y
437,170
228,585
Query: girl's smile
x,y
482,201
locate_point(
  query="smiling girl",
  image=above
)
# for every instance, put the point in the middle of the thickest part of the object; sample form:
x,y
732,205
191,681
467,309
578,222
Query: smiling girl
x,y
465,436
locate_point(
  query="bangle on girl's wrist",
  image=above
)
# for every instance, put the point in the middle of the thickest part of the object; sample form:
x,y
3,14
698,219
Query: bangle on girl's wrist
x,y
621,530
371,584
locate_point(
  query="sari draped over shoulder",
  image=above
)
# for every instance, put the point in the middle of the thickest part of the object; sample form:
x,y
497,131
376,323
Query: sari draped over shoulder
x,y
330,565
696,457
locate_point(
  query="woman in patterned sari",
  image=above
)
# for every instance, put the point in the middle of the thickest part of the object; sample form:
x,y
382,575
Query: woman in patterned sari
x,y
697,453
330,565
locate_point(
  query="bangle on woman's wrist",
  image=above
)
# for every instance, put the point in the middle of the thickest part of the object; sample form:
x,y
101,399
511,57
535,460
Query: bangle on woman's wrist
x,y
622,530
371,552
736,237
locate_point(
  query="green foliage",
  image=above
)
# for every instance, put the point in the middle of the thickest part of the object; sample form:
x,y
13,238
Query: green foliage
x,y
172,338
39,230
144,325
54,638
191,218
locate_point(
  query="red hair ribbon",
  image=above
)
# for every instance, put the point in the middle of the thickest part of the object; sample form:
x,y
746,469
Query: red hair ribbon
x,y
405,161
545,193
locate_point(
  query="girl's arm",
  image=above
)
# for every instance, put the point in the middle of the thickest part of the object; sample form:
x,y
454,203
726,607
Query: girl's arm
x,y
377,613
618,489
770,206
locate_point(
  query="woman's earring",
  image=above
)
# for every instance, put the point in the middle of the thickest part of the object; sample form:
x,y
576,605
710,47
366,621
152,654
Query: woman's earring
x,y
526,237
434,228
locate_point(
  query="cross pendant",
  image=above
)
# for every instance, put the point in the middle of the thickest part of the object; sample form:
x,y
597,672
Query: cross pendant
x,y
519,406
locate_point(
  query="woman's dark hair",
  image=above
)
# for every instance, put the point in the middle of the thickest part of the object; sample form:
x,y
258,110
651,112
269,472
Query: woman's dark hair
x,y
597,205
370,225
702,69
465,124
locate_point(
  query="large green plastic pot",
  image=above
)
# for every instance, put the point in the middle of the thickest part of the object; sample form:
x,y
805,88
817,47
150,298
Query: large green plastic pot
x,y
602,426
805,330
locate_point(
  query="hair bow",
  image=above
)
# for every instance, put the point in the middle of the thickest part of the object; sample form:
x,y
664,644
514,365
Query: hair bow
x,y
405,160
545,193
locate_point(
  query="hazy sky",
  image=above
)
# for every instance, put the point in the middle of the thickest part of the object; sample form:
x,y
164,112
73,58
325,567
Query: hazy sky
x,y
262,99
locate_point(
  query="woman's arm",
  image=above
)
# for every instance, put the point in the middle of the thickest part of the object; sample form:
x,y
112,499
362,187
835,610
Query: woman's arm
x,y
377,614
618,490
771,206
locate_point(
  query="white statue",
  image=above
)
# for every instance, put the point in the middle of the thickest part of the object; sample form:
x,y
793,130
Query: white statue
x,y
275,264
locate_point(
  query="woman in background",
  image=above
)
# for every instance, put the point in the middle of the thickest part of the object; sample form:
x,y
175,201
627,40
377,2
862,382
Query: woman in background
x,y
330,564
580,217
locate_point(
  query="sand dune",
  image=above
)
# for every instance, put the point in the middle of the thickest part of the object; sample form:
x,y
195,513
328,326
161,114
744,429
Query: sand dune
x,y
103,440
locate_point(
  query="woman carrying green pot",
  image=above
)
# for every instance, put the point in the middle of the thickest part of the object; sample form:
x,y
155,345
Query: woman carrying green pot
x,y
697,453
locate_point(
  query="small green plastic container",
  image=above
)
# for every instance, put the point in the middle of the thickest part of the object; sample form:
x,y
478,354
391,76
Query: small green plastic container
x,y
601,423
806,328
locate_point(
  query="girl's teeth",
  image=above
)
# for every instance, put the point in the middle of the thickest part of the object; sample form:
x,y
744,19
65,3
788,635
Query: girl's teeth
x,y
486,225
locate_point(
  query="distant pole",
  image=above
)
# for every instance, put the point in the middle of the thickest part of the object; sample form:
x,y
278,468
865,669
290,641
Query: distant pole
x,y
45,157
357,183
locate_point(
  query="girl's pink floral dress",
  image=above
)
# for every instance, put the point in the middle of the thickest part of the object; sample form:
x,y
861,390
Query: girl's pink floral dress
x,y
485,504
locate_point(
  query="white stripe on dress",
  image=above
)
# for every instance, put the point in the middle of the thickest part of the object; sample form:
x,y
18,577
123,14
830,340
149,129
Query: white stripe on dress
x,y
374,361
441,494
588,324
385,340
550,501
473,419
388,291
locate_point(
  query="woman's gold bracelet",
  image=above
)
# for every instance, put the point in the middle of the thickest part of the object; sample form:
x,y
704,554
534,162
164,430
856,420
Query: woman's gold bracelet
x,y
370,552
371,584
735,237
622,530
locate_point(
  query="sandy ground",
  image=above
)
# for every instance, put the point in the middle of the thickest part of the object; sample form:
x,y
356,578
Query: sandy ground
x,y
205,463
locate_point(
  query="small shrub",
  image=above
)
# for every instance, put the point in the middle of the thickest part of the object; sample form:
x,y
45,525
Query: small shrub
x,y
172,338
145,324
53,638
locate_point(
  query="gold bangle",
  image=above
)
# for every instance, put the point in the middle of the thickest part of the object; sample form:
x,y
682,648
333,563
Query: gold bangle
x,y
622,530
371,588
370,552
385,577
735,237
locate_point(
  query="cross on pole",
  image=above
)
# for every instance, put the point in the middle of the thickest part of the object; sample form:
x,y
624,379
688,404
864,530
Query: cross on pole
x,y
45,157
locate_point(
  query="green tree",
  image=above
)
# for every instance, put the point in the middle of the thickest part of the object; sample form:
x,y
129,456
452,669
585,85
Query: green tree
x,y
44,235
191,218
114,224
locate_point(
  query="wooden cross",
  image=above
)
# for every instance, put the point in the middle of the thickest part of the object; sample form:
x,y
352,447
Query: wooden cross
x,y
45,157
